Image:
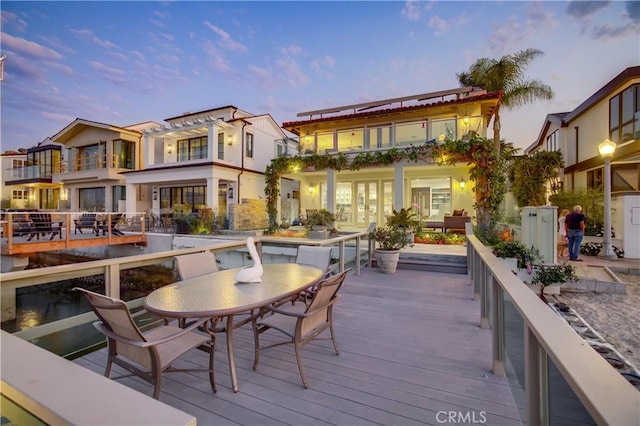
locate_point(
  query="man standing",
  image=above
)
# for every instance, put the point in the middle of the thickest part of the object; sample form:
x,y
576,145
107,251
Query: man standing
x,y
574,224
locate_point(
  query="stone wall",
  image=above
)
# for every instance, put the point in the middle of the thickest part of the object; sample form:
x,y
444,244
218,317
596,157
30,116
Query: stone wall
x,y
249,214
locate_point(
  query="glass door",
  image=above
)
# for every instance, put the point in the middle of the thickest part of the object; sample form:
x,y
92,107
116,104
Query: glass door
x,y
366,203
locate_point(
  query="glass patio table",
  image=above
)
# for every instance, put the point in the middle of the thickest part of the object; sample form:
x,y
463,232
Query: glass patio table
x,y
219,295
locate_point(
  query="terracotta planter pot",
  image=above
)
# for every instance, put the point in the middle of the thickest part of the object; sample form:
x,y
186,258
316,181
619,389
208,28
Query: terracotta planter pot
x,y
387,260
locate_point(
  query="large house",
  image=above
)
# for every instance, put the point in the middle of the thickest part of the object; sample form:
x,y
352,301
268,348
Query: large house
x,y
211,158
370,194
28,177
613,112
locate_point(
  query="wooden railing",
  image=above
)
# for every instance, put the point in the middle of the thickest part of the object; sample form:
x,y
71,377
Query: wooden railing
x,y
531,342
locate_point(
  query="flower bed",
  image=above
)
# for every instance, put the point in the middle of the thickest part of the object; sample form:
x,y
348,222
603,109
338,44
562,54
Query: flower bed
x,y
439,238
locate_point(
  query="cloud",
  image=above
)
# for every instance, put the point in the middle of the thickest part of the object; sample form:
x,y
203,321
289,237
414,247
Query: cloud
x,y
515,29
292,50
87,35
439,25
217,60
584,9
607,31
60,67
411,10
23,69
8,18
263,76
28,48
292,73
633,11
321,65
114,75
226,42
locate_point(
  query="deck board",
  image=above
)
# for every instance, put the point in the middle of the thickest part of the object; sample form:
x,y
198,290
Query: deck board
x,y
411,347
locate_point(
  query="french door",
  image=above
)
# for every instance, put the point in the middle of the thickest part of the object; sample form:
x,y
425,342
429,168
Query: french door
x,y
366,203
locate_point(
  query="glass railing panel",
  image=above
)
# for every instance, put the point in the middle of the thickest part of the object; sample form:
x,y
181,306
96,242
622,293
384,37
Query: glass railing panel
x,y
136,283
15,414
411,134
514,353
565,409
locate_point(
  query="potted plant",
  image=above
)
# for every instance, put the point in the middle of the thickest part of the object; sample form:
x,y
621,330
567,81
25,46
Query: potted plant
x,y
551,277
318,222
390,240
407,219
514,250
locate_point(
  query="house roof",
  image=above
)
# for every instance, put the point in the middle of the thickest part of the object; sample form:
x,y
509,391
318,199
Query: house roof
x,y
554,118
369,109
190,113
73,128
619,80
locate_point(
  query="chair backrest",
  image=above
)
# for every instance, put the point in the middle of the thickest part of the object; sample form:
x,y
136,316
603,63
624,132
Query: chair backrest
x,y
319,257
114,314
371,227
327,290
115,219
196,264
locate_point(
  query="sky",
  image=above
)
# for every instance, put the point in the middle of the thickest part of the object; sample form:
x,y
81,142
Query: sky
x,y
123,63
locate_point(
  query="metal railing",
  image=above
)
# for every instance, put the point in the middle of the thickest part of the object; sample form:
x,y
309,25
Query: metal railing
x,y
556,375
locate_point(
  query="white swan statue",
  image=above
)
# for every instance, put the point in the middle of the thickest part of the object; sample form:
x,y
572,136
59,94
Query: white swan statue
x,y
251,274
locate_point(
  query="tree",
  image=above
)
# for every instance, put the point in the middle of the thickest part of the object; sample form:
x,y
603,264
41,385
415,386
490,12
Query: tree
x,y
530,174
507,75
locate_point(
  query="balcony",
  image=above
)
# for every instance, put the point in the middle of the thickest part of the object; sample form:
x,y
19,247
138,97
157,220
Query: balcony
x,y
106,166
376,137
30,174
418,349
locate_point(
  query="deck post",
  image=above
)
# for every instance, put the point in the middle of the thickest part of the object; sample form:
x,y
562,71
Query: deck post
x,y
485,294
536,383
112,280
358,240
497,325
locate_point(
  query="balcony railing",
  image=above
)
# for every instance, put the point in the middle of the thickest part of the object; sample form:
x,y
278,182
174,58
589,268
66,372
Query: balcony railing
x,y
36,172
385,137
557,377
106,161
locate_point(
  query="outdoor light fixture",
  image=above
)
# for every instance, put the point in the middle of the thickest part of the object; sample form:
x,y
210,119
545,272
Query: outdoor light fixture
x,y
606,149
169,149
462,183
441,137
466,120
311,189
230,140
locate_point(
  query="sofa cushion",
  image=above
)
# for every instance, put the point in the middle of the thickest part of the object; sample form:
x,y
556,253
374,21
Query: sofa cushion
x,y
458,212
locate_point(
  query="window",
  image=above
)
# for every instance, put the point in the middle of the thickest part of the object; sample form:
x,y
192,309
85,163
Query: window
x,y
411,133
118,193
49,198
446,128
249,145
594,179
91,199
624,115
20,194
192,149
124,153
552,142
350,140
189,196
17,166
92,157
379,137
220,146
325,141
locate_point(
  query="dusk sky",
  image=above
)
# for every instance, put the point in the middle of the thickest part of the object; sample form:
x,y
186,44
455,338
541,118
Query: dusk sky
x,y
123,63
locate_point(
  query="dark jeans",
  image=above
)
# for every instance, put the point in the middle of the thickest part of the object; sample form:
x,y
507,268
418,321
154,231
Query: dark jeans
x,y
575,239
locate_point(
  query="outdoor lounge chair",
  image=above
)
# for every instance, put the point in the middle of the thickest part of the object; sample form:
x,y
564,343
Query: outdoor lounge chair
x,y
86,221
41,224
103,225
146,355
301,323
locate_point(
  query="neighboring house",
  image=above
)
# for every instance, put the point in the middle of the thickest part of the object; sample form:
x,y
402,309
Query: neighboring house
x,y
613,112
30,179
15,192
212,158
95,154
370,194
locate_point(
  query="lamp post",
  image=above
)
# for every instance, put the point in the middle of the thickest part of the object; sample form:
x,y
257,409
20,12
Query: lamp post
x,y
606,149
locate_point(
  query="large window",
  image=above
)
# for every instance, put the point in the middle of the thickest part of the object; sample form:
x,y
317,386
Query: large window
x,y
192,149
17,166
190,196
624,115
91,199
379,137
49,198
552,142
411,133
43,162
91,157
220,146
442,129
118,193
125,154
249,145
350,140
325,142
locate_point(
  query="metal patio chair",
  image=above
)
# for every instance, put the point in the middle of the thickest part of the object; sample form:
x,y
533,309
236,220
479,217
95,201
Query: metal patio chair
x,y
301,323
146,355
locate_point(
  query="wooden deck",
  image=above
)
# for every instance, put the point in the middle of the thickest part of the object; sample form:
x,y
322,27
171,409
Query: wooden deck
x,y
411,352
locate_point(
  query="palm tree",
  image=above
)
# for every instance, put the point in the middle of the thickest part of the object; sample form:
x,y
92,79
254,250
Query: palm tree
x,y
506,75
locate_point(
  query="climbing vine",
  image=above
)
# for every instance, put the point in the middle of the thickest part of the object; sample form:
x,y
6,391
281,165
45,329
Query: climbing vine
x,y
487,169
529,176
